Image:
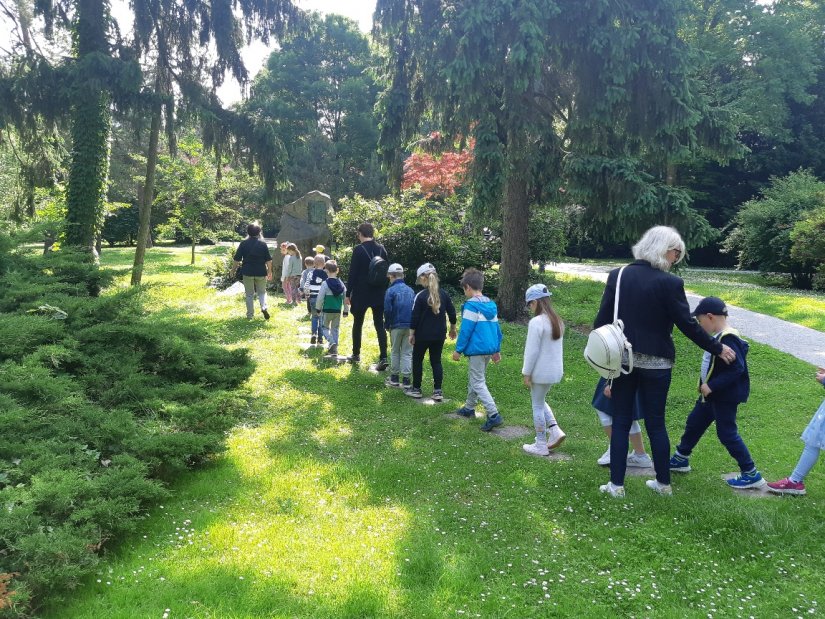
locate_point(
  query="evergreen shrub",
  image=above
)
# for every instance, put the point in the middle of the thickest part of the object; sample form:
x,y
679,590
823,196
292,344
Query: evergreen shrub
x,y
101,405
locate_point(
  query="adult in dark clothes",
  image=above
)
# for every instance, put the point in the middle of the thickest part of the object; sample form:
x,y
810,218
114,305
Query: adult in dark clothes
x,y
361,295
255,261
651,302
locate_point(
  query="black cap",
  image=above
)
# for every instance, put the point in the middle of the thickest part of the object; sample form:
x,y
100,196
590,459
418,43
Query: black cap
x,y
711,305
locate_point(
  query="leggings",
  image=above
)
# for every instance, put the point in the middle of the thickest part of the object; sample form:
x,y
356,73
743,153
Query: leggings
x,y
419,350
806,462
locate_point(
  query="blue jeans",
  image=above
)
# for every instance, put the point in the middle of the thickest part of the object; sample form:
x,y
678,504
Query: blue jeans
x,y
316,321
646,389
724,414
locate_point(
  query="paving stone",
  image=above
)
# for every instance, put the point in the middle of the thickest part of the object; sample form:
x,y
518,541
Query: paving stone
x,y
508,432
753,493
555,456
639,471
431,402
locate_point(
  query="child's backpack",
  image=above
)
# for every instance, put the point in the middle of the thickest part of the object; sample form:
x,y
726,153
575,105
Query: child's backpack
x,y
377,272
608,350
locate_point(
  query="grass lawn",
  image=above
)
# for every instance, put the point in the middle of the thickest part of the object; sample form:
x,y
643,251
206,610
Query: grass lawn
x,y
751,291
341,498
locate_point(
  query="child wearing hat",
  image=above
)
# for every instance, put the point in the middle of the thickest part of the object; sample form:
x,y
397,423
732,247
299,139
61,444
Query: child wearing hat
x,y
398,304
428,330
543,367
722,387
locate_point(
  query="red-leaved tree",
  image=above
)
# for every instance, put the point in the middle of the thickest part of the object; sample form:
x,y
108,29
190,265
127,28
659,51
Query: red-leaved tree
x,y
437,175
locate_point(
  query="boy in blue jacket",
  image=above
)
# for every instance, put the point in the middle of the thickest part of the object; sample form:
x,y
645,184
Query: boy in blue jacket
x,y
722,387
480,340
398,304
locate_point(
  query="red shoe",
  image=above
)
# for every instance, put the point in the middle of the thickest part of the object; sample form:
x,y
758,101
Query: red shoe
x,y
786,486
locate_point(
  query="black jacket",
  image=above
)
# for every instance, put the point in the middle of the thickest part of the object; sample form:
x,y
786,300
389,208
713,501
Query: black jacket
x,y
730,382
431,327
253,254
361,294
650,303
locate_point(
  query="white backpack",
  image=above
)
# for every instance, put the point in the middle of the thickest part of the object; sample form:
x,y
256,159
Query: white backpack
x,y
607,345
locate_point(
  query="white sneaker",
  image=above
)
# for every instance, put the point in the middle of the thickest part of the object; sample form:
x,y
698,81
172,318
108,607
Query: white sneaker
x,y
536,449
614,491
663,489
555,437
605,459
639,460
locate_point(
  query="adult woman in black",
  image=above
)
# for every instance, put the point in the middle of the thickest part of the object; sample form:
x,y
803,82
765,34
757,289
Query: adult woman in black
x,y
255,261
651,302
361,295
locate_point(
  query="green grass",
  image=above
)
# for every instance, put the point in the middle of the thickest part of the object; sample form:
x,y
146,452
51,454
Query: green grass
x,y
341,498
752,291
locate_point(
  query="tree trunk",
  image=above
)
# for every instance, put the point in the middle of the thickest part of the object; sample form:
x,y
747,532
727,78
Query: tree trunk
x,y
194,240
91,125
515,260
146,198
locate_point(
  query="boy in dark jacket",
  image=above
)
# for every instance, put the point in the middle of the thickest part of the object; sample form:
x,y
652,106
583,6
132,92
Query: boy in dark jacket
x,y
329,304
722,387
398,304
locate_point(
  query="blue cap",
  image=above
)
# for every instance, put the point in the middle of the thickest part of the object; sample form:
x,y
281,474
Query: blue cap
x,y
536,291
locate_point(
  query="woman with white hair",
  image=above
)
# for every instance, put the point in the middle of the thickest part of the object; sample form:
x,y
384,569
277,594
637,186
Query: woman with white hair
x,y
651,302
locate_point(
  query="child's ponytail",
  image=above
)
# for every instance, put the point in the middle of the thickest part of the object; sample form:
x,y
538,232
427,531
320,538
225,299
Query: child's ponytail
x,y
543,306
434,300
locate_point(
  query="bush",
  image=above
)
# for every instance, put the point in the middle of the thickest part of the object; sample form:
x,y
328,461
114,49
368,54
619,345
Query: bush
x,y
416,230
101,405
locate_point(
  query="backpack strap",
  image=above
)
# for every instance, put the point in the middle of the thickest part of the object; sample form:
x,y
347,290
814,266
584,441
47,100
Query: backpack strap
x,y
616,297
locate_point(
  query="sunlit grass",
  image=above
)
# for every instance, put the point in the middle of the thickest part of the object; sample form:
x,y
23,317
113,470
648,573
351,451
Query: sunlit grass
x,y
341,498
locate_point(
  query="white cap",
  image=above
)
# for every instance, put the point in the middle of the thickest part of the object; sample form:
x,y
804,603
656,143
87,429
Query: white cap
x,y
395,269
425,269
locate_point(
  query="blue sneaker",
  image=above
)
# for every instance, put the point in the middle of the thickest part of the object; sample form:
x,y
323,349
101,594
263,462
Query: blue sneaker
x,y
679,464
747,480
470,413
492,422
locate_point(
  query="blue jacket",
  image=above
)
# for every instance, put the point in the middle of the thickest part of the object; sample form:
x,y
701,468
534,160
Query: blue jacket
x,y
398,303
480,332
730,382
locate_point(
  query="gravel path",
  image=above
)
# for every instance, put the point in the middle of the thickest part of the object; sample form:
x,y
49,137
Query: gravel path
x,y
801,342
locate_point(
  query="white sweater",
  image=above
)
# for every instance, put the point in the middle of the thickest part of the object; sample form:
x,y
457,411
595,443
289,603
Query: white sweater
x,y
543,356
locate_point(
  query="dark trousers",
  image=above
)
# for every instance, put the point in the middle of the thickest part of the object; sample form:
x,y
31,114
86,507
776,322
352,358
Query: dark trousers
x,y
646,389
724,414
419,350
358,315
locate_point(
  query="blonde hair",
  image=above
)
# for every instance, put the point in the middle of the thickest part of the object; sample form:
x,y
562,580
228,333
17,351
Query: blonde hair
x,y
543,306
654,245
434,300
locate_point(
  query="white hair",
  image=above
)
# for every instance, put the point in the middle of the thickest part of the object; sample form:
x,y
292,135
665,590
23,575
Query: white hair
x,y
654,245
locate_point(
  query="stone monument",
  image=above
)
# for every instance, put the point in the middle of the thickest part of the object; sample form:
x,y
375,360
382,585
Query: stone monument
x,y
304,222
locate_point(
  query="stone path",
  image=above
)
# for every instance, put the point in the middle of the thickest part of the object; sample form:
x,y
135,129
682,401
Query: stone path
x,y
801,342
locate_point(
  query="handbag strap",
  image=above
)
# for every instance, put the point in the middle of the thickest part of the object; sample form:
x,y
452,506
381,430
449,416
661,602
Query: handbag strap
x,y
616,297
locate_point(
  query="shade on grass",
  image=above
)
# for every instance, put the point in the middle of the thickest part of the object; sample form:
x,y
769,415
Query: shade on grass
x,y
341,498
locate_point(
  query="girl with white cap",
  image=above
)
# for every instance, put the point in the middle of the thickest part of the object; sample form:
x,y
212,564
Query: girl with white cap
x,y
428,330
543,367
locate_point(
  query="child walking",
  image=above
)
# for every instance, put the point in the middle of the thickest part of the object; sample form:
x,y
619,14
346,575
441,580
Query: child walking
x,y
309,265
814,439
428,330
480,340
601,402
398,304
293,274
543,367
722,387
330,301
313,286
285,271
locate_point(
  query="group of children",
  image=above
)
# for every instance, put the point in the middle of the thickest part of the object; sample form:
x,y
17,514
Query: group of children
x,y
418,326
